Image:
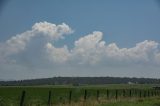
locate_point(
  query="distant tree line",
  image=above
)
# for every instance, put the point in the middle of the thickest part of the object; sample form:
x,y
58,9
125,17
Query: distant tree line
x,y
81,81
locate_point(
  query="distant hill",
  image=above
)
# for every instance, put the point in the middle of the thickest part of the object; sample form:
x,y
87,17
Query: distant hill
x,y
81,81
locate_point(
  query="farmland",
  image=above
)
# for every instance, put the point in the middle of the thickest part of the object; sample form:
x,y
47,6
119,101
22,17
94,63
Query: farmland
x,y
89,95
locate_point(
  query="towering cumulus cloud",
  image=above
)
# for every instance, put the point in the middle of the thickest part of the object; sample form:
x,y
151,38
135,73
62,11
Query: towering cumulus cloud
x,y
17,44
38,45
90,49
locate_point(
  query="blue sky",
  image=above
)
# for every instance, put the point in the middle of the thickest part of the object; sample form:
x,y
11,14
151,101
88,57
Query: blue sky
x,y
123,23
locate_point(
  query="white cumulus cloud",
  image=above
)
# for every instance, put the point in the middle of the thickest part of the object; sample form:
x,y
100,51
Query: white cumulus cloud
x,y
52,30
91,49
18,42
35,50
59,55
143,51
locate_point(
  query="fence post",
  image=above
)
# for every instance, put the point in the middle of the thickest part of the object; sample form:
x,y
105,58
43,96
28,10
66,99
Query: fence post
x,y
85,95
107,94
140,93
144,95
116,93
49,99
70,96
97,95
148,93
124,93
22,98
130,93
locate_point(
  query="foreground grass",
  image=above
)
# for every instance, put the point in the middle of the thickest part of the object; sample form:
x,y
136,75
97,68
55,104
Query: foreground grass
x,y
134,102
122,102
152,101
126,102
38,95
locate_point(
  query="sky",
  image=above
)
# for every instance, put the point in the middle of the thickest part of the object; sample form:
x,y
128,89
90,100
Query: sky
x,y
48,38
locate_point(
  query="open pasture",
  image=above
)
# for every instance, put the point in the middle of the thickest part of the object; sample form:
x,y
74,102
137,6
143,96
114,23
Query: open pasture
x,y
70,95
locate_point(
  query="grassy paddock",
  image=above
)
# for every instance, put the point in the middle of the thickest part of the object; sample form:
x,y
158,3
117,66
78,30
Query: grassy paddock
x,y
154,101
38,95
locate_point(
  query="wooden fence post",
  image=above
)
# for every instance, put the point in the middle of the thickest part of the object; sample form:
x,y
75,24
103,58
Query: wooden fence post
x,y
124,93
85,95
49,98
116,94
140,93
97,95
148,93
144,93
107,94
22,98
130,93
70,96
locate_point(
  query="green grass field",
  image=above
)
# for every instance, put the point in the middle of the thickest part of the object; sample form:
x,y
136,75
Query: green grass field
x,y
135,102
38,95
